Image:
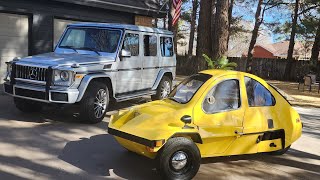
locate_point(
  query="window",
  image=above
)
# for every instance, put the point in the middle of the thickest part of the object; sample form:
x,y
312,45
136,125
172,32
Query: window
x,y
131,43
184,92
102,40
150,45
257,94
224,96
166,46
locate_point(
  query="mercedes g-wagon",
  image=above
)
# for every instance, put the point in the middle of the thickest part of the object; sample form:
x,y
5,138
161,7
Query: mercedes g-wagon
x,y
92,64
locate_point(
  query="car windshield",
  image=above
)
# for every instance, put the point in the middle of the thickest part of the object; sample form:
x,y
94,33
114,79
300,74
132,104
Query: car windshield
x,y
184,92
90,39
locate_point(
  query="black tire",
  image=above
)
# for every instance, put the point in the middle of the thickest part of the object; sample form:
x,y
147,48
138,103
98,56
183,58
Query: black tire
x,y
27,106
280,152
161,86
173,147
88,104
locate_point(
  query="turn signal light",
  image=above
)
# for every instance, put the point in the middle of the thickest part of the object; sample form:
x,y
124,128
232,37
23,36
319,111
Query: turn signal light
x,y
159,143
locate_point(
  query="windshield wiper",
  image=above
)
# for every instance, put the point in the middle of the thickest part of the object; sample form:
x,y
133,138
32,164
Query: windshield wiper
x,y
69,47
90,49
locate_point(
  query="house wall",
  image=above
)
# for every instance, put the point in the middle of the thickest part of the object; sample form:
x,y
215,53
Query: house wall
x,y
42,14
260,52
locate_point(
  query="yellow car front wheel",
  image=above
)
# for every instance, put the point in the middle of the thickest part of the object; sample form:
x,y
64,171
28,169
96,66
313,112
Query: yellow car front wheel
x,y
179,159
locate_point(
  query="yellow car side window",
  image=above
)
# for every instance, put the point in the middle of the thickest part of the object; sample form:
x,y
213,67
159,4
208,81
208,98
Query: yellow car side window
x,y
224,96
257,94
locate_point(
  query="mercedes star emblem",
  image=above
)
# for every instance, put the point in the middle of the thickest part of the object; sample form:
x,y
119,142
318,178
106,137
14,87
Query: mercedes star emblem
x,y
33,73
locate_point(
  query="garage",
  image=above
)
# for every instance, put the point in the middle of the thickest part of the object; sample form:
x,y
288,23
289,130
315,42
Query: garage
x,y
13,39
59,27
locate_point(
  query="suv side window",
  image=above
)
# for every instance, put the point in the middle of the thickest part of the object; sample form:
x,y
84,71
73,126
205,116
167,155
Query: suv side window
x,y
225,96
257,94
166,46
150,45
131,43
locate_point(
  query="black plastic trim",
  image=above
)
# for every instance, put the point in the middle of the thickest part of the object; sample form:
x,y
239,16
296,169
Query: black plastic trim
x,y
271,135
140,140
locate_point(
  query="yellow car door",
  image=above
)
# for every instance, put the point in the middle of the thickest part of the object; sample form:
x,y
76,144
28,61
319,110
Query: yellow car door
x,y
219,115
260,116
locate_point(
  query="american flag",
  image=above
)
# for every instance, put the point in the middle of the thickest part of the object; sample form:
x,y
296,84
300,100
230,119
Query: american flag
x,y
176,11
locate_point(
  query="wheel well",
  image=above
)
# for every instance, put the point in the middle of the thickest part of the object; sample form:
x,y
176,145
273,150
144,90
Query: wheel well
x,y
195,137
104,80
168,74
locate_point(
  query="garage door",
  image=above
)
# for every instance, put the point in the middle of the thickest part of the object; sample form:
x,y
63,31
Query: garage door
x,y
13,39
59,27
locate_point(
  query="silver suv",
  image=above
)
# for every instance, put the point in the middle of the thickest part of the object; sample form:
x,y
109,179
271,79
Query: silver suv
x,y
92,64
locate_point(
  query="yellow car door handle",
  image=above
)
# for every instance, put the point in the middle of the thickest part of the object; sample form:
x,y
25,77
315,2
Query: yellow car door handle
x,y
238,133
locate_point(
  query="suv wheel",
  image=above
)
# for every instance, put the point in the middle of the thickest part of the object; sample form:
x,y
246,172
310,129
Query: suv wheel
x,y
27,106
163,90
179,159
95,103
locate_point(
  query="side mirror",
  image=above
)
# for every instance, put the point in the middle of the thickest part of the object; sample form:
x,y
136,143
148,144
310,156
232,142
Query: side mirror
x,y
186,119
125,53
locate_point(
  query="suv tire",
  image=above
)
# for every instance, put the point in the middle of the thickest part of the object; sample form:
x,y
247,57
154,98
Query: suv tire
x,y
179,159
95,103
27,106
163,89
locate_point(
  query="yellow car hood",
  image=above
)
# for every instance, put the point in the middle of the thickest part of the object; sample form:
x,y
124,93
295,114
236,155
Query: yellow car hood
x,y
153,121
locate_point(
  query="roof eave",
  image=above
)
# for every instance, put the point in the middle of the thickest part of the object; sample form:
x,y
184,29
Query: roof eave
x,y
119,7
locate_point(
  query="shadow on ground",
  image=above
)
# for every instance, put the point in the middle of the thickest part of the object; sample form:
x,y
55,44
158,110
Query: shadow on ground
x,y
101,155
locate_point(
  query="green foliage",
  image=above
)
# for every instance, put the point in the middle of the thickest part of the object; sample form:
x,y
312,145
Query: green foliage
x,y
220,63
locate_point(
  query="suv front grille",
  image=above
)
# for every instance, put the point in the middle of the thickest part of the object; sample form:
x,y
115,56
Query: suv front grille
x,y
31,73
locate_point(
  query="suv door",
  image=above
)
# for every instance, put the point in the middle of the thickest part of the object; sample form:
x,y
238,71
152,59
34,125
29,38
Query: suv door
x,y
129,68
219,114
150,59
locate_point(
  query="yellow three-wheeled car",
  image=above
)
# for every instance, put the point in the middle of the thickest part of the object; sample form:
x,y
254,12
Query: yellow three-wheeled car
x,y
212,113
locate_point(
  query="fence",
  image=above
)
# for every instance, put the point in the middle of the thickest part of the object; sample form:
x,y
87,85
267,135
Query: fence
x,y
264,68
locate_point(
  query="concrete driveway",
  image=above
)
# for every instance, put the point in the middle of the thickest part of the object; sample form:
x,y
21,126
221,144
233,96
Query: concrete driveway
x,y
53,145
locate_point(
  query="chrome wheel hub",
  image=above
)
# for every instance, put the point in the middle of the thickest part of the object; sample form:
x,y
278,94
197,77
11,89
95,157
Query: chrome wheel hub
x,y
100,103
165,89
179,160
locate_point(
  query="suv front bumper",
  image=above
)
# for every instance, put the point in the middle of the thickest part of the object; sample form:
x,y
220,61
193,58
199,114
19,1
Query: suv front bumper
x,y
67,96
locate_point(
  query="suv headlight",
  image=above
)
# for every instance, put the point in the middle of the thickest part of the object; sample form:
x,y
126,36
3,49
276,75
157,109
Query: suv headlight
x,y
9,70
63,78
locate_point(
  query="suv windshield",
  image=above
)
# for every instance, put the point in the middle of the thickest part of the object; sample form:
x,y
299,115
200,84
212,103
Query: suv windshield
x,y
97,40
184,92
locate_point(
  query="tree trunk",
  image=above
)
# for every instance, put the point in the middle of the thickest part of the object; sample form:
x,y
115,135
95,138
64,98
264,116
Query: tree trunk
x,y
257,23
213,21
204,33
292,39
316,47
220,38
193,27
230,17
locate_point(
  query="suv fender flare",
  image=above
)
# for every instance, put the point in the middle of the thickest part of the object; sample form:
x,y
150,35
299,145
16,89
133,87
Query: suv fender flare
x,y
86,81
161,73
